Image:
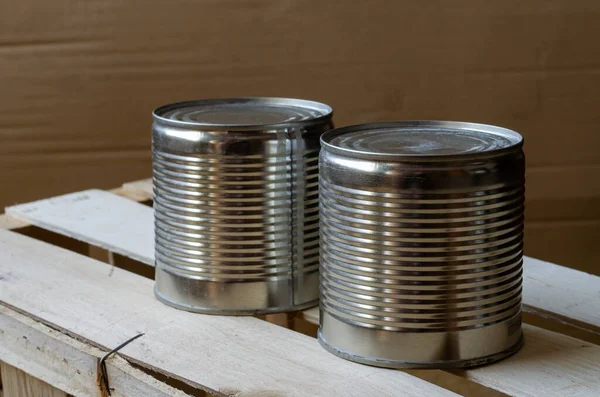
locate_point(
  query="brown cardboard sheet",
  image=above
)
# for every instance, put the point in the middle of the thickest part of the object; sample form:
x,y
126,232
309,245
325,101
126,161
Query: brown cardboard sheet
x,y
79,79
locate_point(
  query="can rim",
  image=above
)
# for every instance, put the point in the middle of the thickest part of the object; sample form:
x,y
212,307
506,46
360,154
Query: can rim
x,y
514,136
326,112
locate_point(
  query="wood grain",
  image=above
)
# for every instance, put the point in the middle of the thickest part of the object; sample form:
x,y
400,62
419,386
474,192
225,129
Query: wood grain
x,y
17,383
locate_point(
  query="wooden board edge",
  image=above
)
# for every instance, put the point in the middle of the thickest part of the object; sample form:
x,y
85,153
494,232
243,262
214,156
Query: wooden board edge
x,y
132,194
10,223
68,364
139,190
561,320
134,190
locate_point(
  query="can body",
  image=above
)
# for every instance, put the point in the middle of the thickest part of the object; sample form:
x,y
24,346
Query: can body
x,y
236,204
421,243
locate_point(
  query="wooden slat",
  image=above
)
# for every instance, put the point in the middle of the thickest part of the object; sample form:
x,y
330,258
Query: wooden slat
x,y
96,217
17,383
67,363
223,355
565,294
549,365
125,227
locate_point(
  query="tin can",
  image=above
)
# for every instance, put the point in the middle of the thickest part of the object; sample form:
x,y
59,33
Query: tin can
x,y
236,204
421,243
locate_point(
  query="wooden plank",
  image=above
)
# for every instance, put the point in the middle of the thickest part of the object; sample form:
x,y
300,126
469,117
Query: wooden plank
x,y
565,294
17,383
67,363
549,364
223,355
97,217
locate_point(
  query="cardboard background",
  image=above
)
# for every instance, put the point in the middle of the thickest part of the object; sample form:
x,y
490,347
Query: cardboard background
x,y
79,79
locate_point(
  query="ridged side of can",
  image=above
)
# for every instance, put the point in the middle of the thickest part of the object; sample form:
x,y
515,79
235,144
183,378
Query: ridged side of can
x,y
421,254
236,210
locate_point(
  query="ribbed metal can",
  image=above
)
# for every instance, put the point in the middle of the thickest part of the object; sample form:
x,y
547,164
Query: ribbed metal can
x,y
236,204
421,243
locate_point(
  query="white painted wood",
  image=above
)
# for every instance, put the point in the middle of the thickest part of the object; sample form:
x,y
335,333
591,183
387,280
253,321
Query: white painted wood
x,y
549,365
566,294
96,217
68,364
243,356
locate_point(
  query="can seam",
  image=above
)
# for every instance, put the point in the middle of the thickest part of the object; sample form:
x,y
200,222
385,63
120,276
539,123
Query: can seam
x,y
326,114
459,126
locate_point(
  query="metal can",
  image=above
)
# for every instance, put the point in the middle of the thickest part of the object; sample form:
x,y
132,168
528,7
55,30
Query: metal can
x,y
236,204
421,243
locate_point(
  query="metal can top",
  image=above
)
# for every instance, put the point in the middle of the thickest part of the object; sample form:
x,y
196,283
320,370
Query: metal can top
x,y
234,114
421,140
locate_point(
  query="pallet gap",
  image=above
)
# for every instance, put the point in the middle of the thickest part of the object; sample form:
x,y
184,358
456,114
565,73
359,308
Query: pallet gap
x,y
121,261
555,324
53,238
174,383
448,380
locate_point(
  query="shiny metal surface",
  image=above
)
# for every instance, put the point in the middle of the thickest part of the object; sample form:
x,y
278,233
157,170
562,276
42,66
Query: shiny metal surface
x,y
421,243
236,204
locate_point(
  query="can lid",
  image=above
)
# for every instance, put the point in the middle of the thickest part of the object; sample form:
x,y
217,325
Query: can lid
x,y
243,113
420,139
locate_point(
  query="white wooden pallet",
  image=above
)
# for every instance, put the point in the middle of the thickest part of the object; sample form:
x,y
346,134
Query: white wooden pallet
x,y
60,311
